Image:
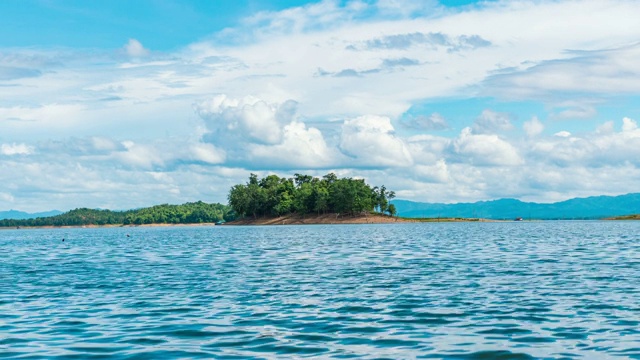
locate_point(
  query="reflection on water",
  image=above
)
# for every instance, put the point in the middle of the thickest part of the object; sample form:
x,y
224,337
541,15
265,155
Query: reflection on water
x,y
448,290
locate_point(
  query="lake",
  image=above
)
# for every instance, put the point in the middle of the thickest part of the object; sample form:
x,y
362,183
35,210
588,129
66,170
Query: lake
x,y
512,290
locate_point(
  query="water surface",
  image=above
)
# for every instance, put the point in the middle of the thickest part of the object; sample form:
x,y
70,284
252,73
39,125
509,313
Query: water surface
x,y
554,290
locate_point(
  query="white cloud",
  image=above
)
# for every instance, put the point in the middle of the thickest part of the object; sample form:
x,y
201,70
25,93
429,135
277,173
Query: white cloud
x,y
6,198
264,134
596,72
603,147
629,126
370,141
562,134
485,149
207,153
438,173
491,121
301,147
140,156
578,111
533,127
135,49
432,122
16,149
606,128
262,122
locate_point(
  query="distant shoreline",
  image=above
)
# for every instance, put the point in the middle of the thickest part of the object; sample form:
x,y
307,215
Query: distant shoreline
x,y
93,226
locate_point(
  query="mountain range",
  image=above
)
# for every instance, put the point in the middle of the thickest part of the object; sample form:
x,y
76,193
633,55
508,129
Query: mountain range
x,y
596,207
18,215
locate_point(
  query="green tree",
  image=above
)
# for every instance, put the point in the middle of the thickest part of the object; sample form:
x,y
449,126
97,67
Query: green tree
x,y
392,210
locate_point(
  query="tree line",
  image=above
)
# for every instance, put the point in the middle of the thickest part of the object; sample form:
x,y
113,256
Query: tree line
x,y
188,213
305,194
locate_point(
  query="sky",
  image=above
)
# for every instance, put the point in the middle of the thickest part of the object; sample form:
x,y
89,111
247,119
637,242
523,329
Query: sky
x,y
126,104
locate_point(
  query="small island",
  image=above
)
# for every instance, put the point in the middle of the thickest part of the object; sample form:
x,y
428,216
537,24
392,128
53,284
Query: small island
x,y
305,199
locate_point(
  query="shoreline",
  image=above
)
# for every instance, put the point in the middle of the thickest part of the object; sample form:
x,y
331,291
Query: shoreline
x,y
329,219
102,226
291,219
294,219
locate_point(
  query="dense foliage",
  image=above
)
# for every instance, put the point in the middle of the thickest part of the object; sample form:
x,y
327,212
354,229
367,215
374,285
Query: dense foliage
x,y
305,194
189,213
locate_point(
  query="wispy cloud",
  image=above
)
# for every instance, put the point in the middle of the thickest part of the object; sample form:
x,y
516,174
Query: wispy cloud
x,y
429,40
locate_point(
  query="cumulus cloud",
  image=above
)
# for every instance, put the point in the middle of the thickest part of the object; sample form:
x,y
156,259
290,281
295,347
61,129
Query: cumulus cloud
x,y
135,49
370,140
533,127
484,149
603,147
491,121
436,173
265,134
206,153
301,147
16,149
262,122
167,154
629,125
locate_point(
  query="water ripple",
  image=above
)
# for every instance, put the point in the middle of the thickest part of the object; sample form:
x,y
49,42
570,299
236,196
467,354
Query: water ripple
x,y
548,290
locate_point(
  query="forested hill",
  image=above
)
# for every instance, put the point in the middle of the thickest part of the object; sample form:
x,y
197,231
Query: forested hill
x,y
189,213
305,194
596,207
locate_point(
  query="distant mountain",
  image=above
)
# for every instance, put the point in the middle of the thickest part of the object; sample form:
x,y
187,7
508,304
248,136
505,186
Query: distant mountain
x,y
18,215
595,207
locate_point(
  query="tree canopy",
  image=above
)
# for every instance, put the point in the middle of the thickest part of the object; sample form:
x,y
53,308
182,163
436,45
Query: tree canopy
x,y
305,194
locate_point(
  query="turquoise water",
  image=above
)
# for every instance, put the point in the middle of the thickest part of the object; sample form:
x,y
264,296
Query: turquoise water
x,y
556,290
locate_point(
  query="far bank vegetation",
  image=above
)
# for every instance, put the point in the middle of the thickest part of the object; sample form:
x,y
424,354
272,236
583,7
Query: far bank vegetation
x,y
188,213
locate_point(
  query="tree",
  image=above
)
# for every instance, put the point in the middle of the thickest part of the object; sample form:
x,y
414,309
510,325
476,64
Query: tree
x,y
392,210
239,199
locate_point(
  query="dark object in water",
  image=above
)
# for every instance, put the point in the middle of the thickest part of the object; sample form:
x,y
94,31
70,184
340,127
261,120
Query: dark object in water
x,y
518,219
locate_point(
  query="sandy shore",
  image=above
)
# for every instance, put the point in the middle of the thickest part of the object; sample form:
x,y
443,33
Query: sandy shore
x,y
295,219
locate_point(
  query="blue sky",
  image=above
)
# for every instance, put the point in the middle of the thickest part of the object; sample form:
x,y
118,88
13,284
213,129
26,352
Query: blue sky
x,y
122,104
